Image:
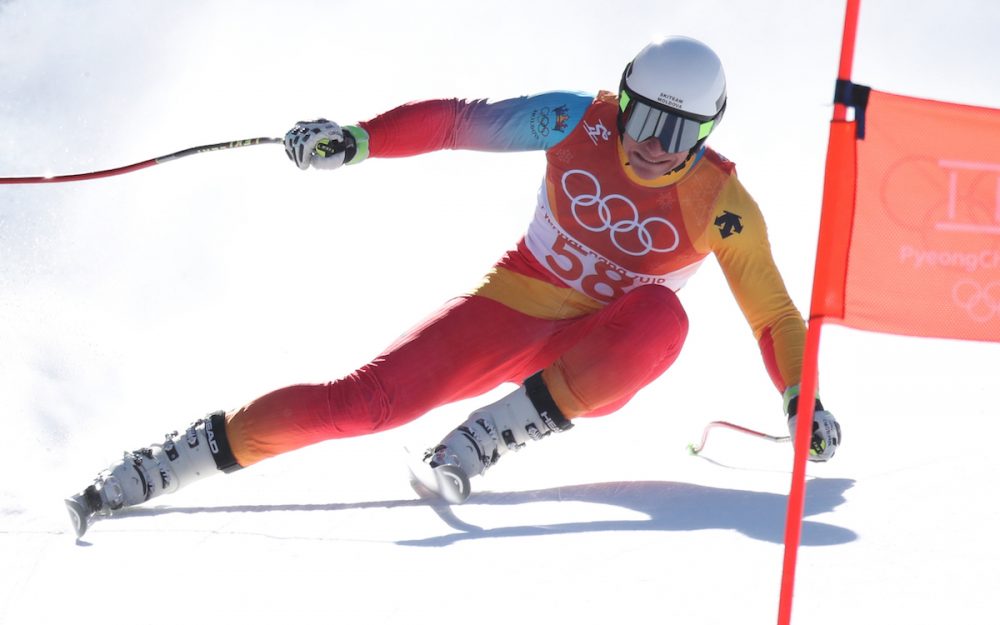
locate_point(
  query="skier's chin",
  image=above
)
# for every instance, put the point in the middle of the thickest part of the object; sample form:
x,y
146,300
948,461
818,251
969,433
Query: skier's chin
x,y
647,171
650,166
650,169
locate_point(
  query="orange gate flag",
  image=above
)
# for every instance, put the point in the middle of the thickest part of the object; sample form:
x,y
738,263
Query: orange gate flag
x,y
909,238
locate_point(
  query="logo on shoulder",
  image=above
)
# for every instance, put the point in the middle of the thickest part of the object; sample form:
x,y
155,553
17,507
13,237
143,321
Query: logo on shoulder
x,y
729,224
545,120
562,118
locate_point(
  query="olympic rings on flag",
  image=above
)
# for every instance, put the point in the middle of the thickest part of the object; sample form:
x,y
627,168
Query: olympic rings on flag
x,y
982,303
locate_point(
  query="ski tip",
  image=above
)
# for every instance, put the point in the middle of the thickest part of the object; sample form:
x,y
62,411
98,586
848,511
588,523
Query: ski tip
x,y
82,508
78,516
452,483
448,482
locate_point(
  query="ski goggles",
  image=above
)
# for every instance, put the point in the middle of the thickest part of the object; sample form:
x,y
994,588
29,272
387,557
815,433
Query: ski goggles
x,y
643,118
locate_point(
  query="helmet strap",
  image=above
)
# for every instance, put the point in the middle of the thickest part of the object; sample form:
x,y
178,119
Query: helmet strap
x,y
696,152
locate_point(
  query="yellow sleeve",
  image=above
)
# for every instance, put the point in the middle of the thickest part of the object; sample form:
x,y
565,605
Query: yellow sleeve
x,y
738,237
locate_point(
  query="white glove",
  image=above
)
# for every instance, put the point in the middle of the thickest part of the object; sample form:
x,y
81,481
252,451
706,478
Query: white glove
x,y
319,143
825,435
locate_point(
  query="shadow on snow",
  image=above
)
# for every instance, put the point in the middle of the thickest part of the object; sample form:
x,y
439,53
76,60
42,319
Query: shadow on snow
x,y
668,506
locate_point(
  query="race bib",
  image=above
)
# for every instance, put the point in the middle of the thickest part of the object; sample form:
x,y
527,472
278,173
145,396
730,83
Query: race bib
x,y
584,269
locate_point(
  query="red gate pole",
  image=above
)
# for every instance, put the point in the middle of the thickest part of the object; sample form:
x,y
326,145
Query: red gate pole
x,y
803,430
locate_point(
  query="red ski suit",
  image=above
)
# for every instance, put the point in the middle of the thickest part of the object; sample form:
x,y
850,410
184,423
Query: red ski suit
x,y
587,296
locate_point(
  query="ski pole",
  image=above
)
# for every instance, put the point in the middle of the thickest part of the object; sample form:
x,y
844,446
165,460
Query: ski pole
x,y
104,173
694,451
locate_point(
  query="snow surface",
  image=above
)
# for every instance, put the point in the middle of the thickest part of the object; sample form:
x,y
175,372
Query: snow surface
x,y
133,305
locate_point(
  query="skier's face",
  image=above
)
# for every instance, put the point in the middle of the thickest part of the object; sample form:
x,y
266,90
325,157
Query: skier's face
x,y
647,158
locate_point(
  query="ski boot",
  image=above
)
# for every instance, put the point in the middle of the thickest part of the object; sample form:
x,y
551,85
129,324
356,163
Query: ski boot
x,y
528,413
183,458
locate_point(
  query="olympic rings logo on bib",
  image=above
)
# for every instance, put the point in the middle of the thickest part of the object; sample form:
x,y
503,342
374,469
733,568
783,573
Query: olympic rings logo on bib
x,y
628,234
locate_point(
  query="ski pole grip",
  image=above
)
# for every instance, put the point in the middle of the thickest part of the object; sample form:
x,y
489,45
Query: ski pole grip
x,y
331,148
349,146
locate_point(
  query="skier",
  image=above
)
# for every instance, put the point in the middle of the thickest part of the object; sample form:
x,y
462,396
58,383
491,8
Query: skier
x,y
581,313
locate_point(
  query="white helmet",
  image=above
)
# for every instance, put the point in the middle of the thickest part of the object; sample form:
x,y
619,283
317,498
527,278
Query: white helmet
x,y
675,90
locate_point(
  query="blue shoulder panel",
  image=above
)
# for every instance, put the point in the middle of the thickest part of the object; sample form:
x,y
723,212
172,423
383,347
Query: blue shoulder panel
x,y
536,122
